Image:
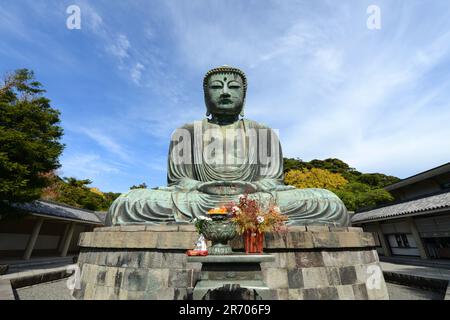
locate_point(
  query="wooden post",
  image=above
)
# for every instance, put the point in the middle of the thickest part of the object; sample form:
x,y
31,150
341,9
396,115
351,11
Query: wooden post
x,y
383,241
33,237
63,237
68,239
412,225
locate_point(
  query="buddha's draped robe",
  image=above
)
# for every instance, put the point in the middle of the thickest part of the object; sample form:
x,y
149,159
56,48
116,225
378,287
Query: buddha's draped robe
x,y
194,160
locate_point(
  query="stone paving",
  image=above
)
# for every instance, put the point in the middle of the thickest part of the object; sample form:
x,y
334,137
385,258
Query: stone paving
x,y
418,271
399,292
6,292
35,263
55,290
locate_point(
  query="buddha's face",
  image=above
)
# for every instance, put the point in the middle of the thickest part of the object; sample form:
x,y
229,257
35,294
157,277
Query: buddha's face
x,y
224,94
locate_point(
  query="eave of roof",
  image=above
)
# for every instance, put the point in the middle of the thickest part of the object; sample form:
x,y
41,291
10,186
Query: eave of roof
x,y
419,177
427,205
60,211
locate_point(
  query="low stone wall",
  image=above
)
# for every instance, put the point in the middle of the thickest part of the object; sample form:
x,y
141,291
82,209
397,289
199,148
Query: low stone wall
x,y
149,262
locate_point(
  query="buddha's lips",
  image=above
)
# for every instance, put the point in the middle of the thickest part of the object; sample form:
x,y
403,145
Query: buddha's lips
x,y
225,101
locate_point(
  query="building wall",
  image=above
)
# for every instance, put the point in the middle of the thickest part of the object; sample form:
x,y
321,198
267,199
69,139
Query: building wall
x,y
434,232
416,190
399,236
14,236
403,245
435,226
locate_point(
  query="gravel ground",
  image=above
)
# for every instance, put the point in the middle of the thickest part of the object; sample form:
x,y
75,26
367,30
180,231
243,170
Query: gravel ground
x,y
55,290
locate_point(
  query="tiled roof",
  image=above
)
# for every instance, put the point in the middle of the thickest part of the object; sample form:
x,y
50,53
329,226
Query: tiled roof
x,y
52,209
439,201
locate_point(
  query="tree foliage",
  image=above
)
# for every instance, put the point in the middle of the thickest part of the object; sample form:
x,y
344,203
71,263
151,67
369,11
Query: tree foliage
x,y
377,180
357,195
314,178
360,189
77,193
143,185
29,137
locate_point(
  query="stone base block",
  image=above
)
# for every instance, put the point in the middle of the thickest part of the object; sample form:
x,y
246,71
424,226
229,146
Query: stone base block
x,y
150,262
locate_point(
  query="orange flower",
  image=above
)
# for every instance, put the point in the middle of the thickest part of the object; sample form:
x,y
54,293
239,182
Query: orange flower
x,y
221,210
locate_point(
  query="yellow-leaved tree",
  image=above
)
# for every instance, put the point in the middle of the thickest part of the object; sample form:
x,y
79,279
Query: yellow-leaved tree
x,y
314,178
97,191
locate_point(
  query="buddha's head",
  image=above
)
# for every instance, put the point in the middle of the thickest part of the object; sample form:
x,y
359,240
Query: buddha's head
x,y
225,88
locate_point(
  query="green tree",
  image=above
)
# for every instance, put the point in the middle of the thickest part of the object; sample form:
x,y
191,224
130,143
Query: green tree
x,y
77,193
356,195
110,197
77,183
29,138
377,180
143,185
293,164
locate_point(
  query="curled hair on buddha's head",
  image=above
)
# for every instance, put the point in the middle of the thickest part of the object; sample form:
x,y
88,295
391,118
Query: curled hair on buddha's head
x,y
224,70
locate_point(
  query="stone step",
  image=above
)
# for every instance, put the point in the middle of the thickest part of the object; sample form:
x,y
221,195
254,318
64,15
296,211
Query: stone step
x,y
32,277
15,266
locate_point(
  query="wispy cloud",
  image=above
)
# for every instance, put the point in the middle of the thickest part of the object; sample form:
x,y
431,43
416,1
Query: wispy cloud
x,y
105,141
120,47
86,165
136,72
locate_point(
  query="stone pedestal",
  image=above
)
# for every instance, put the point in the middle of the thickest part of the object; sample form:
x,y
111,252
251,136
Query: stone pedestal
x,y
150,262
233,271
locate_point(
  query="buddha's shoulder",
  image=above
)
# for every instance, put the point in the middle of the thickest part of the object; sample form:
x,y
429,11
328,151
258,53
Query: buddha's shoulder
x,y
190,126
255,124
200,123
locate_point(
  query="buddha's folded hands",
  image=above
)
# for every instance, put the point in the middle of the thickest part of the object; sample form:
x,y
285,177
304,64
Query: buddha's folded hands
x,y
227,187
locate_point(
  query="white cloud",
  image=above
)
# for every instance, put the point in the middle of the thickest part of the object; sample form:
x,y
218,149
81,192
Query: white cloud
x,y
136,72
106,141
86,165
120,47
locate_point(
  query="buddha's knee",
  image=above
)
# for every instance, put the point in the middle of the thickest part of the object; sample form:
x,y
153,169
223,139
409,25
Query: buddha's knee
x,y
307,194
145,194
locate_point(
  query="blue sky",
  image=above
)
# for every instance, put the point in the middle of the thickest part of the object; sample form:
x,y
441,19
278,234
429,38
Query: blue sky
x,y
377,99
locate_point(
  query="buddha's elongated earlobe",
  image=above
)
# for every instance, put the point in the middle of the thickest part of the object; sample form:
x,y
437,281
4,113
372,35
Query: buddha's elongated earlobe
x,y
242,113
208,113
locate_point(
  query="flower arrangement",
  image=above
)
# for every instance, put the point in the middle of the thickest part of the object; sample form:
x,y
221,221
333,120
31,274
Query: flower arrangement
x,y
217,228
250,215
198,223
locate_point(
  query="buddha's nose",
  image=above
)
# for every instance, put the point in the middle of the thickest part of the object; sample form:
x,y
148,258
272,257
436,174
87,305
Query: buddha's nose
x,y
225,92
